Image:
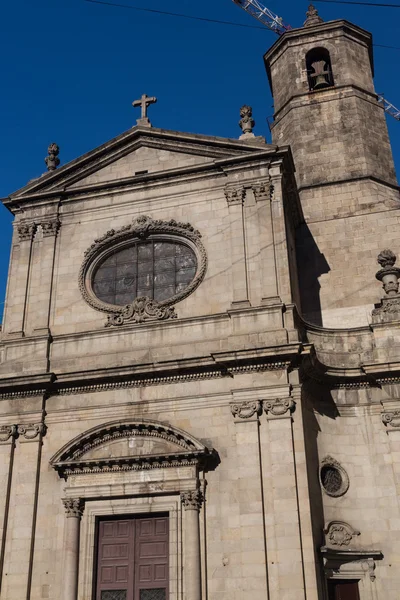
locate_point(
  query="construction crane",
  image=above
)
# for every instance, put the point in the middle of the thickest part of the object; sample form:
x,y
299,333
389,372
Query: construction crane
x,y
276,24
264,15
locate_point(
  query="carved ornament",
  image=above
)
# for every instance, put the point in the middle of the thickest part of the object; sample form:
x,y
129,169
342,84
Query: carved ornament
x,y
192,500
392,419
142,309
246,410
246,122
313,17
142,228
263,191
74,507
32,431
7,432
26,231
234,194
50,227
339,533
52,161
279,407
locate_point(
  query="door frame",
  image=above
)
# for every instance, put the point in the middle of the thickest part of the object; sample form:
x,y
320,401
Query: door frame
x,y
130,507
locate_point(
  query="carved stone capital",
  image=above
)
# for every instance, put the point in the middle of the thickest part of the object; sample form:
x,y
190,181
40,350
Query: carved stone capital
x,y
339,534
74,507
192,500
281,407
7,432
234,194
26,231
246,410
31,431
263,191
50,227
391,419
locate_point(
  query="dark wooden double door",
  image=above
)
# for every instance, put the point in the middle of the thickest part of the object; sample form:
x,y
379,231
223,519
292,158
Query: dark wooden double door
x,y
343,590
132,559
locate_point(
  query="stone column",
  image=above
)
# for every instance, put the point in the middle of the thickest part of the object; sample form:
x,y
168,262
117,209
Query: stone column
x,y
192,502
73,510
235,195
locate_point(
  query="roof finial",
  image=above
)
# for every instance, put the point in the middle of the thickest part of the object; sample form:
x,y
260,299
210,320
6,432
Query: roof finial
x,y
52,161
313,17
246,122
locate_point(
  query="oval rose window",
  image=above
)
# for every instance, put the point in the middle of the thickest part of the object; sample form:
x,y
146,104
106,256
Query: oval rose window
x,y
154,269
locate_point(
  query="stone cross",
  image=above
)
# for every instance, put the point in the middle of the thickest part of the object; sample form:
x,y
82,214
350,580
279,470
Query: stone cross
x,y
144,103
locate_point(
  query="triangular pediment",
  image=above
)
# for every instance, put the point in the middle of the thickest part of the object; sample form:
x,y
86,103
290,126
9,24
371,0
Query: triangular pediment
x,y
126,445
134,154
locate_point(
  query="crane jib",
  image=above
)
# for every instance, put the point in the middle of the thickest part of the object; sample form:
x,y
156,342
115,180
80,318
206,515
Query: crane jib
x,y
264,15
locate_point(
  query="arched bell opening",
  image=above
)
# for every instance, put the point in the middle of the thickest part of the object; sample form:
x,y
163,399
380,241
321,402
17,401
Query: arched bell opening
x,y
319,69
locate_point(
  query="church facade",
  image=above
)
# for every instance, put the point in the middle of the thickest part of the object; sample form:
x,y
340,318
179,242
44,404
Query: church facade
x,y
200,355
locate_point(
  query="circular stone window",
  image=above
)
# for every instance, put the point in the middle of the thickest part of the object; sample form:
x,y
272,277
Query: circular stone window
x,y
138,272
334,479
155,269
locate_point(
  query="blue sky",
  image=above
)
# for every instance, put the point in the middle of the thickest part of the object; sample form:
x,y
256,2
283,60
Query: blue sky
x,y
71,69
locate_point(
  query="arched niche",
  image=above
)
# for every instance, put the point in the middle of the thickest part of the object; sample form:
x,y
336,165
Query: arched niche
x,y
319,69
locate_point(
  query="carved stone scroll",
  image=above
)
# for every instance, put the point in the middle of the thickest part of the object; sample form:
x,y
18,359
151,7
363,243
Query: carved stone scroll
x,y
7,432
246,410
280,407
32,431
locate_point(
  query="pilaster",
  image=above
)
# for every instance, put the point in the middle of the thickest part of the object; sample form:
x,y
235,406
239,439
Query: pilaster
x,y
18,278
246,410
235,195
20,541
40,288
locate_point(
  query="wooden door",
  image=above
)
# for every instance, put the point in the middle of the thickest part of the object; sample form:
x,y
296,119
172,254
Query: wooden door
x,y
132,559
343,590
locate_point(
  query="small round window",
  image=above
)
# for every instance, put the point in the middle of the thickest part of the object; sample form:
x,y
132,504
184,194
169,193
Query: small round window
x,y
334,478
155,269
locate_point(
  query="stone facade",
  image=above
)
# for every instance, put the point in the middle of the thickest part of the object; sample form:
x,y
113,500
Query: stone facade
x,y
270,441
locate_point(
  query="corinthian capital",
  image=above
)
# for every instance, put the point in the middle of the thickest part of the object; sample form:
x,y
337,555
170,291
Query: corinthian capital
x,y
74,507
235,194
192,500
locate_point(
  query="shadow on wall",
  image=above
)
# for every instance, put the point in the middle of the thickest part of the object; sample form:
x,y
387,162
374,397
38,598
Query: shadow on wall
x,y
311,264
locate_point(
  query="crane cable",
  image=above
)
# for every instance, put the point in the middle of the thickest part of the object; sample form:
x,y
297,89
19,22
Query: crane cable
x,y
232,23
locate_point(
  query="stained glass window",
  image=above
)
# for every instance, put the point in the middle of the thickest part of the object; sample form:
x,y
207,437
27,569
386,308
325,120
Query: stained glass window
x,y
154,594
155,269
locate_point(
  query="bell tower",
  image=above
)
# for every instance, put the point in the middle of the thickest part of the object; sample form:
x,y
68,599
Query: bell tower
x,y
327,110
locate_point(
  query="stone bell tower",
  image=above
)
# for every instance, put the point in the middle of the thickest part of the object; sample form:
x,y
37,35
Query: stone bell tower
x,y
326,109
